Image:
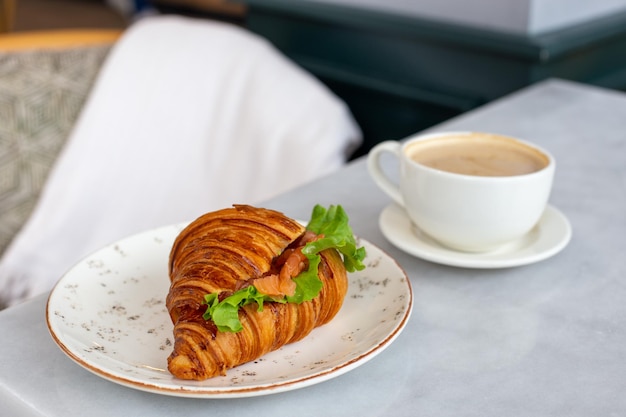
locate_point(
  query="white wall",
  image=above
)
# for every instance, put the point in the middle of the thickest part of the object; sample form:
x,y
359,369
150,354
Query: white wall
x,y
515,16
545,15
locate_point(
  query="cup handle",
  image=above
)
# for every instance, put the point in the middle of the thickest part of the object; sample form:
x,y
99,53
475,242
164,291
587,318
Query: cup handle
x,y
378,175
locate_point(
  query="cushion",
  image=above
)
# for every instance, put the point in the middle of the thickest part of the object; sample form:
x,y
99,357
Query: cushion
x,y
186,116
41,94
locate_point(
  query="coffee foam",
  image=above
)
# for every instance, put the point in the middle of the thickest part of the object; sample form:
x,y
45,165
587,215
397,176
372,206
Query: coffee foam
x,y
478,154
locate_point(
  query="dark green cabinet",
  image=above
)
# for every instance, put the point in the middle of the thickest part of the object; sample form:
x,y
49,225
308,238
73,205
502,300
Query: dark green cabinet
x,y
400,74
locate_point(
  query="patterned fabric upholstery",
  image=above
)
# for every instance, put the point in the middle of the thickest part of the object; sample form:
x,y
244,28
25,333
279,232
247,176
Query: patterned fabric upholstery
x,y
41,94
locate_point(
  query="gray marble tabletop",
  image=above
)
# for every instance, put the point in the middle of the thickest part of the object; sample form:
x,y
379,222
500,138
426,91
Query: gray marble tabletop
x,y
545,339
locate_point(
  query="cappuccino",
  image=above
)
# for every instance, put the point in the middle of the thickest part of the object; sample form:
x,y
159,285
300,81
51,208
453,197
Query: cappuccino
x,y
467,213
478,154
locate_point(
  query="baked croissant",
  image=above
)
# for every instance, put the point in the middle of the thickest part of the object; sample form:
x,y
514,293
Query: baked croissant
x,y
230,249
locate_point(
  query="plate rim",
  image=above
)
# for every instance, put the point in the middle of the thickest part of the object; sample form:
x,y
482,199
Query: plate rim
x,y
213,392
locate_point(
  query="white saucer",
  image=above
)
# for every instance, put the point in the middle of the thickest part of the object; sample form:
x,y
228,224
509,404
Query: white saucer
x,y
552,233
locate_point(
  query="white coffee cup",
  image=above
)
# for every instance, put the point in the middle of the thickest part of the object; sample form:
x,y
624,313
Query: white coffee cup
x,y
470,191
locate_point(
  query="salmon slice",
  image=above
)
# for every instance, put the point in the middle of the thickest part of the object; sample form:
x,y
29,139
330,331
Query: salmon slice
x,y
282,284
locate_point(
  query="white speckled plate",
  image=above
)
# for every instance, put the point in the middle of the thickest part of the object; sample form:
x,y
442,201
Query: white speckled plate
x,y
108,314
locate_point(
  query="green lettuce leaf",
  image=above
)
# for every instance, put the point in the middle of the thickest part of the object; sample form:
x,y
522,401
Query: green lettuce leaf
x,y
225,313
332,224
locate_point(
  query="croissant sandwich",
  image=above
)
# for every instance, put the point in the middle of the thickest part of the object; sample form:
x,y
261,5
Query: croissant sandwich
x,y
246,281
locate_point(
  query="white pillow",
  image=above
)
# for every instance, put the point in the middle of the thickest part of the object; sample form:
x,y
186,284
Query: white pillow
x,y
187,116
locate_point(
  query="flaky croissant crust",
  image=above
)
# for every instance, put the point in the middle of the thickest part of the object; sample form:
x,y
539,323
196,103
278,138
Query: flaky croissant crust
x,y
219,251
